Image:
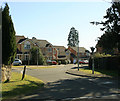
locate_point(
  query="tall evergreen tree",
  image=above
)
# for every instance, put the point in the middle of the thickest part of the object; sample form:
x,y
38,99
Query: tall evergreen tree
x,y
8,38
73,37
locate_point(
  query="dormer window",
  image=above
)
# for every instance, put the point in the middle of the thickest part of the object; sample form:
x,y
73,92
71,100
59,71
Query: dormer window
x,y
27,45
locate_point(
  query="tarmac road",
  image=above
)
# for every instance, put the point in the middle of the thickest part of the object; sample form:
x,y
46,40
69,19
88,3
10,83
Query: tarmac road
x,y
59,85
50,74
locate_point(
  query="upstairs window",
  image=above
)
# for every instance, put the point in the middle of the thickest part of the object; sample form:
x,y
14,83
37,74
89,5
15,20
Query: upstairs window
x,y
27,45
50,49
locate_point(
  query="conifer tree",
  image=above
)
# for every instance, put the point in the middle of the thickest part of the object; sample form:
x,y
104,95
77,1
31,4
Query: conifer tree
x,y
8,39
73,37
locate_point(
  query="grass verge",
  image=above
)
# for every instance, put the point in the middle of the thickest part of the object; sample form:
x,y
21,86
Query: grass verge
x,y
112,73
88,71
20,87
35,67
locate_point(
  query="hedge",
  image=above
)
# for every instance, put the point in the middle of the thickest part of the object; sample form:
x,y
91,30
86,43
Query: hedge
x,y
109,63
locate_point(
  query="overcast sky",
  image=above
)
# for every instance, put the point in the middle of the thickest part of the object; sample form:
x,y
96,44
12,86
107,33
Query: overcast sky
x,y
52,21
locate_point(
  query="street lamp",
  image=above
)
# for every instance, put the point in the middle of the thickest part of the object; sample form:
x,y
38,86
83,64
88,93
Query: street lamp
x,y
78,50
92,49
78,55
37,57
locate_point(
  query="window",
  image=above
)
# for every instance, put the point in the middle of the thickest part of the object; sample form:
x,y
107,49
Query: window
x,y
26,57
18,56
27,45
54,52
50,49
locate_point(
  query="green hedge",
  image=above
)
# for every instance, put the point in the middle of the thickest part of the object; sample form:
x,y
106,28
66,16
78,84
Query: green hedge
x,y
109,63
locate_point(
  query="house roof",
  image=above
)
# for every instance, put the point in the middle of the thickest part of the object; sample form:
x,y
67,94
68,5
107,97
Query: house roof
x,y
60,47
21,40
61,50
81,49
41,43
18,37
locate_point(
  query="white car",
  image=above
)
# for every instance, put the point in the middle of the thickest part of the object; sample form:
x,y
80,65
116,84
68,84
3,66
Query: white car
x,y
17,62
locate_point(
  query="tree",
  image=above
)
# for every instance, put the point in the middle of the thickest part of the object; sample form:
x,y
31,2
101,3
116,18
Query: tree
x,y
73,37
8,40
37,56
111,27
92,49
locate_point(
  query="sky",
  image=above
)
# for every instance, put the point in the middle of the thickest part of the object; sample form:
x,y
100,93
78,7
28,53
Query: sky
x,y
52,21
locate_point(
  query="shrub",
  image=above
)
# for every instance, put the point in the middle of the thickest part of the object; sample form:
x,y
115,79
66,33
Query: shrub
x,y
108,62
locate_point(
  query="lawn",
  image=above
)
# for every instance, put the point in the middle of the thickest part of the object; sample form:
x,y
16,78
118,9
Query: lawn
x,y
113,73
20,87
89,71
35,67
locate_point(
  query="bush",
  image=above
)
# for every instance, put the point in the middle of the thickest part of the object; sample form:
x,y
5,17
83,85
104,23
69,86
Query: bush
x,y
37,54
98,55
108,62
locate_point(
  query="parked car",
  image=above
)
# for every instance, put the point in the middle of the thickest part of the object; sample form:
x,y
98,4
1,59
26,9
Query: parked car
x,y
54,62
17,62
50,62
83,61
86,61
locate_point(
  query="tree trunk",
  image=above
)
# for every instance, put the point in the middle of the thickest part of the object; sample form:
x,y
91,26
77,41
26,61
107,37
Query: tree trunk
x,y
6,73
3,74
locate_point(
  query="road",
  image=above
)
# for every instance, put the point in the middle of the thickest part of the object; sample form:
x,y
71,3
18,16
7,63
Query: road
x,y
59,85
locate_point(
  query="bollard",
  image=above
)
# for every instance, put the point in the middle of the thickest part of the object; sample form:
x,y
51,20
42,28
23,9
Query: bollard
x,y
24,72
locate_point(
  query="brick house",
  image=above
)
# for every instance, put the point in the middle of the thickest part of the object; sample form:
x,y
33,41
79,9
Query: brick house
x,y
48,50
63,53
24,45
23,48
82,53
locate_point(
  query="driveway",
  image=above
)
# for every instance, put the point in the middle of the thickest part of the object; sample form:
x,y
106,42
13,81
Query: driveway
x,y
59,85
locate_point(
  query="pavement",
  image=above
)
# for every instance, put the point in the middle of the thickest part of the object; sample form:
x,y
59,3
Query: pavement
x,y
85,74
74,71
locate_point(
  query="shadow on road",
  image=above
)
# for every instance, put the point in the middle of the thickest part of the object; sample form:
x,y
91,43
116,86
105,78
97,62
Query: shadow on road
x,y
74,88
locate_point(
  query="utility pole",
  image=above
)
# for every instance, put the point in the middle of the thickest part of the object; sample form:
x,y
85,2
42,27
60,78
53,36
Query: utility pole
x,y
78,56
92,49
37,57
78,50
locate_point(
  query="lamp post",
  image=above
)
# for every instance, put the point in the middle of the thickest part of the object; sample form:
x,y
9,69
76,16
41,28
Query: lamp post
x,y
78,50
37,57
78,55
92,49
